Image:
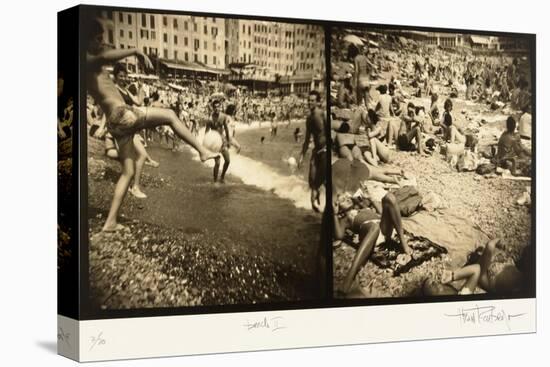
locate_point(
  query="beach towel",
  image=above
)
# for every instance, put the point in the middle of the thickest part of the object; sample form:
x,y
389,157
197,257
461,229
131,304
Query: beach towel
x,y
446,228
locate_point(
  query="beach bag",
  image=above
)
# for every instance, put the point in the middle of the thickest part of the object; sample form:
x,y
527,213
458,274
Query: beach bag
x,y
409,200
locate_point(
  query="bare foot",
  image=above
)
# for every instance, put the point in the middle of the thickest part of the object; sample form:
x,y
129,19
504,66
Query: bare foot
x,y
137,192
152,163
109,228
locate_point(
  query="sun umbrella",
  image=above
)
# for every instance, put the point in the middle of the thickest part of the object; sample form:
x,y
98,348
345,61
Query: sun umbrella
x,y
353,39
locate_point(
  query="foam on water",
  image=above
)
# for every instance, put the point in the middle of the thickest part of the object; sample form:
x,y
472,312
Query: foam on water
x,y
252,172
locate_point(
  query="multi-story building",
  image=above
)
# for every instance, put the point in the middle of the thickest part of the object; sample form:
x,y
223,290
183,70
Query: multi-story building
x,y
285,55
178,42
309,57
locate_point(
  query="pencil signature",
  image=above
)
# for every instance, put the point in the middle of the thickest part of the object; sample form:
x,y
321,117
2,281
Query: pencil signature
x,y
484,315
274,324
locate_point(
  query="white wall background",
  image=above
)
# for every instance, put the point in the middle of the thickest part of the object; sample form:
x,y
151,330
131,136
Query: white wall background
x,y
28,181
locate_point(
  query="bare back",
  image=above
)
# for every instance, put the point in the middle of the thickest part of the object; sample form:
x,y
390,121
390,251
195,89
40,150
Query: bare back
x,y
361,64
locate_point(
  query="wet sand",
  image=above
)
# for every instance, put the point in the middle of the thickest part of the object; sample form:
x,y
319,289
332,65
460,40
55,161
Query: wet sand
x,y
192,242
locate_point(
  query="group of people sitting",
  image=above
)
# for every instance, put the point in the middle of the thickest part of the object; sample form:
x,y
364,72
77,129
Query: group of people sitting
x,y
370,130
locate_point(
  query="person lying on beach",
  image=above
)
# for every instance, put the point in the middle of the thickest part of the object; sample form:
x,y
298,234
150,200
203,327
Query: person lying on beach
x,y
367,219
511,152
124,121
345,143
487,268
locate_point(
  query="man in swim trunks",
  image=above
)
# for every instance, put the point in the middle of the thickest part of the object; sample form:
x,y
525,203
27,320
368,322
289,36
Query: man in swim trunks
x,y
315,125
124,121
220,123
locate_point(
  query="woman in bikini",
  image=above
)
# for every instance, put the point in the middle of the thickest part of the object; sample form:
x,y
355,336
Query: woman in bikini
x,y
367,219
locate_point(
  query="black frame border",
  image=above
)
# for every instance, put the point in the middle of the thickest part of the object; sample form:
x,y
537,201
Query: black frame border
x,y
86,313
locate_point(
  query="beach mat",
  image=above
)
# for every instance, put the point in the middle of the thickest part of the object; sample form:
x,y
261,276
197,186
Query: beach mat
x,y
458,235
385,254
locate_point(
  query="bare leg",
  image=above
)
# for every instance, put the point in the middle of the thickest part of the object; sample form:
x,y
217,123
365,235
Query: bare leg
x,y
356,153
391,219
389,137
127,157
416,134
368,234
226,161
382,150
380,174
140,162
370,159
471,273
344,152
391,171
485,262
162,116
216,168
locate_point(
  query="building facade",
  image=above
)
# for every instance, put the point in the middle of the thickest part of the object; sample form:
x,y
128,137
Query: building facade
x,y
290,55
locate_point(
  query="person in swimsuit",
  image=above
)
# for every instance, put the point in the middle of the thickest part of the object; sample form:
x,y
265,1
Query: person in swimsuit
x,y
408,132
366,222
315,126
486,268
375,133
124,121
220,123
346,143
511,151
120,78
362,87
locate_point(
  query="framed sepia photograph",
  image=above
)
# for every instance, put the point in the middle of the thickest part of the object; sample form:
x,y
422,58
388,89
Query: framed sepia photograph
x,y
237,183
